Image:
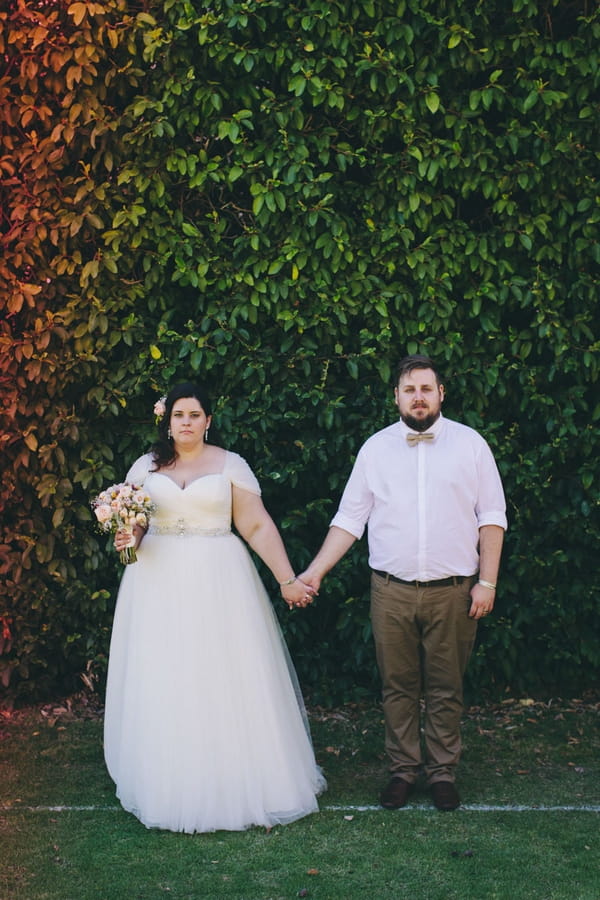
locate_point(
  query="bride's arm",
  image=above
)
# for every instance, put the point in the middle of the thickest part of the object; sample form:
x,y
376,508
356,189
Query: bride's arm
x,y
257,527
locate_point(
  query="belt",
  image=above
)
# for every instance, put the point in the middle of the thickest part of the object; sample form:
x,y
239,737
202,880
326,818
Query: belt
x,y
441,582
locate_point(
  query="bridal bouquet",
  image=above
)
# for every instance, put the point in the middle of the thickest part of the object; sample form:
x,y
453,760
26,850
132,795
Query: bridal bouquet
x,y
119,508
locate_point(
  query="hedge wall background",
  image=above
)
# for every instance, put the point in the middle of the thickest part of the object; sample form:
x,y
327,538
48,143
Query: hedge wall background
x,y
281,199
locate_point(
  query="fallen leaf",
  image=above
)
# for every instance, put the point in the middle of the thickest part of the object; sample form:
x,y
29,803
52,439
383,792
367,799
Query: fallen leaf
x,y
312,872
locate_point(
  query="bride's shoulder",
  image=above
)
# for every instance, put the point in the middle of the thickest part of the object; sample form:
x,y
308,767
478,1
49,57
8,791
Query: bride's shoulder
x,y
140,469
239,472
234,460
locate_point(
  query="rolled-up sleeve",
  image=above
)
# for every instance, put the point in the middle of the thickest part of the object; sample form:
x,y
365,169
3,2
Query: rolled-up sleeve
x,y
357,501
491,505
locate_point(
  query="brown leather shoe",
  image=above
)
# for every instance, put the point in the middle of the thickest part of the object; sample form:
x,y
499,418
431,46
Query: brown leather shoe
x,y
445,796
396,794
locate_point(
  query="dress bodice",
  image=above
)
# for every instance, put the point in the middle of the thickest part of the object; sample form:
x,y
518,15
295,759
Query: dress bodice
x,y
204,506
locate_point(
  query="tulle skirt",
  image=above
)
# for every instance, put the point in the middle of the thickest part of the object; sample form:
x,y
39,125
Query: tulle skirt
x,y
205,728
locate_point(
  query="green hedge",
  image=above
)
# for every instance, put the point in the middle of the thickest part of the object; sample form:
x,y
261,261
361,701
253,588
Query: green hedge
x,y
280,200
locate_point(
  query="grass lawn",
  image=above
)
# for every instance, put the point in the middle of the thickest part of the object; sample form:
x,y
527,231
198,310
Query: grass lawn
x,y
528,827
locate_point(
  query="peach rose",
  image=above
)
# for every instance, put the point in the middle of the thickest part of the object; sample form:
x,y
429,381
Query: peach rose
x,y
103,513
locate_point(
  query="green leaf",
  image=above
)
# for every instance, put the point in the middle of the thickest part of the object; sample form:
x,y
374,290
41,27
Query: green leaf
x,y
526,241
433,101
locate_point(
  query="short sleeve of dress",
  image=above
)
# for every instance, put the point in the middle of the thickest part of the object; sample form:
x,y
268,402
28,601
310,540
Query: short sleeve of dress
x,y
139,470
239,473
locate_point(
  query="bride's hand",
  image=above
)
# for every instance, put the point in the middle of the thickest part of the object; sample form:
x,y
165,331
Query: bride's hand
x,y
297,594
124,539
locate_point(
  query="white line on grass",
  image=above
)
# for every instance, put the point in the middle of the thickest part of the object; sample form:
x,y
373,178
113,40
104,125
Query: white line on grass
x,y
467,807
472,807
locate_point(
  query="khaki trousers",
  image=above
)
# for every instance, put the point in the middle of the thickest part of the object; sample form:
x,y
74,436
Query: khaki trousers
x,y
423,641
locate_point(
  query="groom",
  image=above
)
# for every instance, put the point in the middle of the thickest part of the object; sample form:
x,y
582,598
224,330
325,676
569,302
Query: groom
x,y
429,490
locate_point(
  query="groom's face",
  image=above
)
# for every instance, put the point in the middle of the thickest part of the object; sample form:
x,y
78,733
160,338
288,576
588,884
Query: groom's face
x,y
419,398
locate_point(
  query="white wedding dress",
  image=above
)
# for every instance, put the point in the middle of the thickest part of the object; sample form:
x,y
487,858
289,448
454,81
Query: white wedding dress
x,y
205,727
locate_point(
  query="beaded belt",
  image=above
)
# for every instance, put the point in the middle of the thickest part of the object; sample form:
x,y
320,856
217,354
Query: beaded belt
x,y
181,527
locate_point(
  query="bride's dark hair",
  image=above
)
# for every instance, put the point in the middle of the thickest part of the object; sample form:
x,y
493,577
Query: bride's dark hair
x,y
163,450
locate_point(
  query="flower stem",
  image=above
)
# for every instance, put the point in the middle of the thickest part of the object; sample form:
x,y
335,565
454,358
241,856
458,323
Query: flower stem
x,y
128,556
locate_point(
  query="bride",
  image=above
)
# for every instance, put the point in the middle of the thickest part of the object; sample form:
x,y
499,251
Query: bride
x,y
205,726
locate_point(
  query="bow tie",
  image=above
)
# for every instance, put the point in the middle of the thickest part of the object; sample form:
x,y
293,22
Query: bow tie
x,y
415,438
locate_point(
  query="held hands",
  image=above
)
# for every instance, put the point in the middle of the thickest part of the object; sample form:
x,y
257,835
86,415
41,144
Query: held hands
x,y
302,591
297,594
312,580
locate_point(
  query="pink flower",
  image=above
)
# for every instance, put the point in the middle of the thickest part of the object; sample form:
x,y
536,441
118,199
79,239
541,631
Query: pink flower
x,y
103,513
160,407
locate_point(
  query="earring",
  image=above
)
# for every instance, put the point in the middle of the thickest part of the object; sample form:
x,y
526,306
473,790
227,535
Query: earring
x,y
206,434
169,435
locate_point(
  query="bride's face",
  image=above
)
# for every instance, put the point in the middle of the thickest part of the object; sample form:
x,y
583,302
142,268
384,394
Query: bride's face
x,y
188,422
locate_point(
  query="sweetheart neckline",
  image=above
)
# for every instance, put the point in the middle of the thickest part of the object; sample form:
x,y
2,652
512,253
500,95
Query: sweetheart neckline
x,y
194,480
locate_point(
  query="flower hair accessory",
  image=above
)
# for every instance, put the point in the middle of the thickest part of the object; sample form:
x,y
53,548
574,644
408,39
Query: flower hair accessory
x,y
160,408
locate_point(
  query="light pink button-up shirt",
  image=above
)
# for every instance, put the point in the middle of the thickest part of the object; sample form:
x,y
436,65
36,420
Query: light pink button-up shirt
x,y
424,504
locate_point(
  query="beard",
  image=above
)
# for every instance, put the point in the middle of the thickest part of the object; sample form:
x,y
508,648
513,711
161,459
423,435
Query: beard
x,y
421,424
